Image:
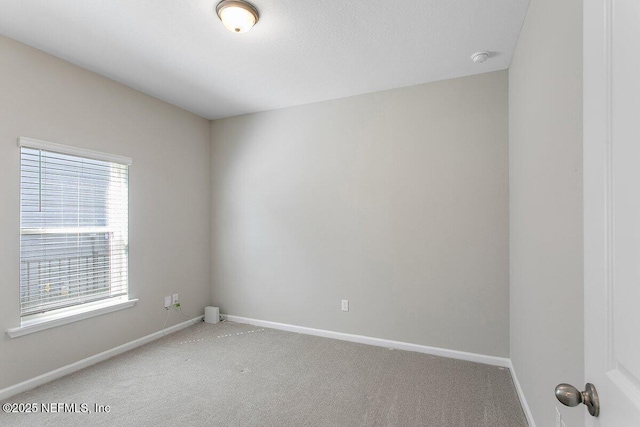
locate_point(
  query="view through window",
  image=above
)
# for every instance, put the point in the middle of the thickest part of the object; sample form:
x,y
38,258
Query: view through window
x,y
73,230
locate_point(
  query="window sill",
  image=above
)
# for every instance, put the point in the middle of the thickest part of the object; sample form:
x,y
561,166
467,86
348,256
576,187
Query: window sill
x,y
70,315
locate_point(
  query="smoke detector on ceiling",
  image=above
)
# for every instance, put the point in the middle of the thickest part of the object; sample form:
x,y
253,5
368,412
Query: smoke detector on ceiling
x,y
480,57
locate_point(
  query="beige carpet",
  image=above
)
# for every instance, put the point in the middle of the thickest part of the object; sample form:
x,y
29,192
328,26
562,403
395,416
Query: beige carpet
x,y
241,375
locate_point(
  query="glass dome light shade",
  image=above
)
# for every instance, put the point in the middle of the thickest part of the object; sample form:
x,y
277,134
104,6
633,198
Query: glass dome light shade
x,y
237,16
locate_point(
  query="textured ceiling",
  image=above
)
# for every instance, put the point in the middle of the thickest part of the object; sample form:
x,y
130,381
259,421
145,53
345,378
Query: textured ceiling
x,y
301,51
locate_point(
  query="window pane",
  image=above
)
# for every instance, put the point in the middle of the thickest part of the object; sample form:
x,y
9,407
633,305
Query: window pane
x,y
74,226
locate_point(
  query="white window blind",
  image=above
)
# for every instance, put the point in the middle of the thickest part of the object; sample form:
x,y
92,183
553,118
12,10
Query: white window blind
x,y
73,226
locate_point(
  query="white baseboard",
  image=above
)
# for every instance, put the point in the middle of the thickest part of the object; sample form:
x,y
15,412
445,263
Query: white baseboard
x,y
379,342
523,400
92,360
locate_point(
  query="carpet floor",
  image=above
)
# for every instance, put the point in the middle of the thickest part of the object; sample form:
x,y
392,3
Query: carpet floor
x,y
232,374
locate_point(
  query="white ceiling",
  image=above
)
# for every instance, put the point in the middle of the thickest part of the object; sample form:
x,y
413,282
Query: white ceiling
x,y
301,51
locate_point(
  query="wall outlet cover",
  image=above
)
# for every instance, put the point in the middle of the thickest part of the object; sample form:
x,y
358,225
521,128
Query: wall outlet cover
x,y
167,301
175,299
345,305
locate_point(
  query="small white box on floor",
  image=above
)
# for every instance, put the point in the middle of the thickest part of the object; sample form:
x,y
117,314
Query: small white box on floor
x,y
211,314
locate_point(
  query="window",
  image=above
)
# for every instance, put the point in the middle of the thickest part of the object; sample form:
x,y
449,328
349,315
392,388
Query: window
x,y
73,227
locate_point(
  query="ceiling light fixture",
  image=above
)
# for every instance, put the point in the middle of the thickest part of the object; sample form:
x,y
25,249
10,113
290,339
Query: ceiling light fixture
x,y
237,16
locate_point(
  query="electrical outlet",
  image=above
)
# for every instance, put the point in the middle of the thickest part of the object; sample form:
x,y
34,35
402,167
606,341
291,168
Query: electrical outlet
x,y
167,301
345,305
175,299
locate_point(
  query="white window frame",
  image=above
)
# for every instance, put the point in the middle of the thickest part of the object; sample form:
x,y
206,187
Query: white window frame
x,y
38,322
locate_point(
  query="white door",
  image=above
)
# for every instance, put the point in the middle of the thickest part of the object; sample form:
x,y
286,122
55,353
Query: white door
x,y
612,208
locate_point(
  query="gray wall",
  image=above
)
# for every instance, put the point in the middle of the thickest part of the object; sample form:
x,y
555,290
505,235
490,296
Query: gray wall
x,y
170,201
396,201
545,161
